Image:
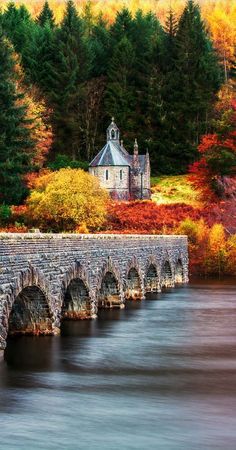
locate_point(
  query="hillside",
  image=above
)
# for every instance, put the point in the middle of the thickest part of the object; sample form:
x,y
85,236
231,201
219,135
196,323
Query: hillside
x,y
168,190
177,190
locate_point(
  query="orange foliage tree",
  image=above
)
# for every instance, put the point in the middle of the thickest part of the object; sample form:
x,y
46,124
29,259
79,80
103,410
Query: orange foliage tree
x,y
221,17
38,116
217,154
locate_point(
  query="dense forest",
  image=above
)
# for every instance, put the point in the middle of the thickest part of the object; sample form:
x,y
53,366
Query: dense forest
x,y
61,83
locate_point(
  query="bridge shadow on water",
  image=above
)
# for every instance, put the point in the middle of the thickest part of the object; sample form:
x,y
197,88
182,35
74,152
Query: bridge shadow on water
x,y
43,353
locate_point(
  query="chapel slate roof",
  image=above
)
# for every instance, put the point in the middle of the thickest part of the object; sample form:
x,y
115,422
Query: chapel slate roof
x,y
112,154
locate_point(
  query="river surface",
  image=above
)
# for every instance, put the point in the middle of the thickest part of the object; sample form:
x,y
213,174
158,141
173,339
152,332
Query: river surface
x,y
159,375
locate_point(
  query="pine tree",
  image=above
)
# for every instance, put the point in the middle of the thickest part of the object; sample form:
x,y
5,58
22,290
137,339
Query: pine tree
x,y
71,70
46,16
17,25
162,91
146,32
15,142
43,55
88,18
100,41
120,92
21,30
198,79
186,79
122,27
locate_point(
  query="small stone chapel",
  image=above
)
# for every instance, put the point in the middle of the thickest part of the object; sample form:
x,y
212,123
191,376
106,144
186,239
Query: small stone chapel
x,y
125,176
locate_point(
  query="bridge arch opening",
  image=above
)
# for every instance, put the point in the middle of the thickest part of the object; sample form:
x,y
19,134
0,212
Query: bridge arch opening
x,y
109,295
77,304
30,313
179,272
133,288
151,280
166,275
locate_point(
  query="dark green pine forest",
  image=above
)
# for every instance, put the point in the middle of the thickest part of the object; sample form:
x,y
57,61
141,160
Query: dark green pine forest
x,y
159,82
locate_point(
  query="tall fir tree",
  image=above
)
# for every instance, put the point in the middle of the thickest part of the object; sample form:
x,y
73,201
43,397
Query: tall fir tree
x,y
46,16
19,27
146,32
160,117
44,57
100,41
123,26
197,82
120,91
71,70
16,146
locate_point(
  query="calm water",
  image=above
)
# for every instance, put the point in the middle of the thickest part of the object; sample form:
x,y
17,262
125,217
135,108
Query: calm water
x,y
159,375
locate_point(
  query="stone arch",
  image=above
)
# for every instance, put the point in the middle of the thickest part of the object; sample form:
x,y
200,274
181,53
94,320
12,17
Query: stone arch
x,y
183,260
152,279
133,282
28,307
77,302
109,292
167,279
179,271
31,276
30,313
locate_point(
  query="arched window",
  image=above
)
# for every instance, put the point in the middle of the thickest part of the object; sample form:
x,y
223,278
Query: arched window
x,y
107,175
113,134
121,174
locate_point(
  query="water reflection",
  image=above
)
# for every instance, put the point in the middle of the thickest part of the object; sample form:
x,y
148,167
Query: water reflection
x,y
159,374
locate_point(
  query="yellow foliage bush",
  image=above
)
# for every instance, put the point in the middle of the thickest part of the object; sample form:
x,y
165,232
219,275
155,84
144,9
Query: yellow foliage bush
x,y
67,199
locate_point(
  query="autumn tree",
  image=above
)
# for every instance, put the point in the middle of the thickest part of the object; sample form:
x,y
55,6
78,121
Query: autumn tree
x,y
221,17
217,153
67,199
231,251
216,251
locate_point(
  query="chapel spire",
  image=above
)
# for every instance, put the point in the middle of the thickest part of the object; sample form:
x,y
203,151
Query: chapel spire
x,y
113,132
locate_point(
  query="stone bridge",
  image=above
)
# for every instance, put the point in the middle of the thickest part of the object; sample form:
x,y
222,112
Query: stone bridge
x,y
47,278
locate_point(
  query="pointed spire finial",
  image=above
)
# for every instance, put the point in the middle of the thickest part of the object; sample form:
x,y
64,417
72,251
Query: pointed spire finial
x,y
113,119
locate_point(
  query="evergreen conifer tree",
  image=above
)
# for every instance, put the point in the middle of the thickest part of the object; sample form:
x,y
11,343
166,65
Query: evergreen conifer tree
x,y
71,69
100,42
146,32
46,16
120,92
197,81
15,142
186,79
123,26
43,53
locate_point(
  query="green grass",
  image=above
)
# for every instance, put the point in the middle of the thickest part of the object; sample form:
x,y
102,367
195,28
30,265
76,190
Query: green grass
x,y
174,189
